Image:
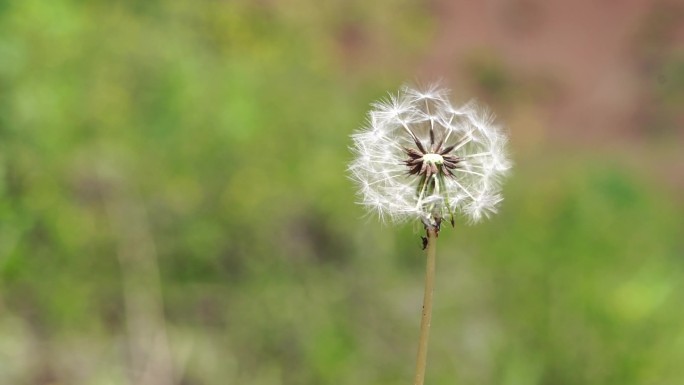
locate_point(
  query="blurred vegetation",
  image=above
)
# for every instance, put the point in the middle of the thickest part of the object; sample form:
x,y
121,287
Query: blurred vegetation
x,y
180,166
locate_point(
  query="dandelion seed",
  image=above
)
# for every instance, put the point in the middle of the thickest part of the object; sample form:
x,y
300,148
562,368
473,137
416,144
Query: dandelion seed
x,y
421,158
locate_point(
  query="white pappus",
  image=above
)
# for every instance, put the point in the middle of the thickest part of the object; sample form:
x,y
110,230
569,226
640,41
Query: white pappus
x,y
419,157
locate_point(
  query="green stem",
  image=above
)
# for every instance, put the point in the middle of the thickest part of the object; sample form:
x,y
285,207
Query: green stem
x,y
421,361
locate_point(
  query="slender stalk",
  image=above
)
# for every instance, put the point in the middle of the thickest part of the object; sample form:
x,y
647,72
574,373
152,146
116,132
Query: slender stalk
x,y
421,361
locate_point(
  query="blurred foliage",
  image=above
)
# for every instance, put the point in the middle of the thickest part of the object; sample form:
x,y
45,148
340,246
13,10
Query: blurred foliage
x,y
210,139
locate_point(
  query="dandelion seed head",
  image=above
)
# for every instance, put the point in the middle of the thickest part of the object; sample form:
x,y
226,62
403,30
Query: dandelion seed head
x,y
419,157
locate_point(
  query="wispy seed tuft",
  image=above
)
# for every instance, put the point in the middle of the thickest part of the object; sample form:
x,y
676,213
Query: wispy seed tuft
x,y
418,157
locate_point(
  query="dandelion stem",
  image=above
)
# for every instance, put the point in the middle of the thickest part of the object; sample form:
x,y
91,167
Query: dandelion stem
x,y
421,361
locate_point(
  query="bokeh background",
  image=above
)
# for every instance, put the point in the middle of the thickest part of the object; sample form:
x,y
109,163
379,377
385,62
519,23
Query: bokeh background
x,y
174,205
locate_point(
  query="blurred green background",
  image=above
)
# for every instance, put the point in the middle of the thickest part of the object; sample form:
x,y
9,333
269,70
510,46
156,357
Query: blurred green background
x,y
174,205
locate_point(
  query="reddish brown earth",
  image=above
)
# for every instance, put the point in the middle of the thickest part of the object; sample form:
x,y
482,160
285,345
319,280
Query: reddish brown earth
x,y
586,69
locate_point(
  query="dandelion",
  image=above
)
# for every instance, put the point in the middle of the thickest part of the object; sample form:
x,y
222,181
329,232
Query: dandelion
x,y
420,158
